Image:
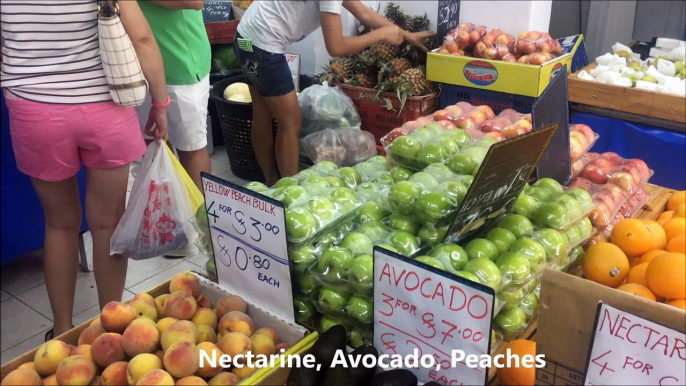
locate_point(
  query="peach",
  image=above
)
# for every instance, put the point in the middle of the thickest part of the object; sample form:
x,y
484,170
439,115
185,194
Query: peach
x,y
180,305
236,321
156,377
107,349
140,365
95,321
49,356
160,354
146,321
205,316
234,343
140,339
28,366
182,359
116,316
159,304
207,334
89,334
185,281
268,332
180,331
143,296
163,324
243,372
83,350
224,379
262,345
203,301
228,304
191,381
145,308
205,370
114,374
50,381
22,377
96,381
75,370
281,346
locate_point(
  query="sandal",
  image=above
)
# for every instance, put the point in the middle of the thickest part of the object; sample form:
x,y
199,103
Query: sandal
x,y
50,334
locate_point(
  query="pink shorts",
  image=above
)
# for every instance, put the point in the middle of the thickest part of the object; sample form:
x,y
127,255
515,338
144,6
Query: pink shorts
x,y
50,141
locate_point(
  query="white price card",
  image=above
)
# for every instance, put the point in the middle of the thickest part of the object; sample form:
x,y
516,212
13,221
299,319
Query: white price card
x,y
630,350
248,232
421,308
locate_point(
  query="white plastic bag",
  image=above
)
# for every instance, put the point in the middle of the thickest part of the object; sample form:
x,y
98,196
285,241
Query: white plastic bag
x,y
322,106
156,219
344,147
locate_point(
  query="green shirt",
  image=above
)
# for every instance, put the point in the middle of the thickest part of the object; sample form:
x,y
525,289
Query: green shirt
x,y
183,42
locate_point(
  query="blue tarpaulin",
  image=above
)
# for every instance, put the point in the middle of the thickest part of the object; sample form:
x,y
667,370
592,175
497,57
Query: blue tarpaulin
x,y
663,150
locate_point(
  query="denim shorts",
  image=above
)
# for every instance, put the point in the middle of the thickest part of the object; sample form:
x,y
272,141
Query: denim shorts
x,y
268,72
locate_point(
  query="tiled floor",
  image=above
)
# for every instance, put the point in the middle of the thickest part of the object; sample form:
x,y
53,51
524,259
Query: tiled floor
x,y
25,313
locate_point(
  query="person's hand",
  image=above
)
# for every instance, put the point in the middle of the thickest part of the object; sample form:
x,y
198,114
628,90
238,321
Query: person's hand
x,y
392,34
156,126
417,38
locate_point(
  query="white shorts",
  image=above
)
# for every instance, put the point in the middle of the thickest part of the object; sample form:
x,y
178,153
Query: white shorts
x,y
186,115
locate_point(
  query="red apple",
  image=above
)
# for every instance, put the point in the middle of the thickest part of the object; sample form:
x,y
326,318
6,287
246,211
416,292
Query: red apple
x,y
615,191
465,106
576,148
523,59
494,125
600,215
581,138
462,39
527,117
577,167
556,48
522,36
440,115
479,116
632,170
594,173
641,166
423,121
487,110
580,182
533,35
614,158
464,27
393,134
524,125
465,122
411,125
543,45
624,180
512,131
510,114
490,53
474,37
497,136
585,130
509,58
454,112
602,163
447,125
479,49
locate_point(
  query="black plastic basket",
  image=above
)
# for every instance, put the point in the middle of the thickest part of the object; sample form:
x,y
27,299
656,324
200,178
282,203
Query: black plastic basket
x,y
236,123
217,136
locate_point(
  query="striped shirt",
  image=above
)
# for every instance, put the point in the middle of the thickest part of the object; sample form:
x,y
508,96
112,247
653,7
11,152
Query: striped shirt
x,y
50,51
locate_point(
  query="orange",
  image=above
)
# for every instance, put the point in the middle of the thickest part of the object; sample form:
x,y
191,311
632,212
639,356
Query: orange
x,y
637,275
662,221
677,199
650,255
668,214
674,227
637,289
518,375
677,244
666,276
678,304
633,261
606,264
680,211
632,236
659,236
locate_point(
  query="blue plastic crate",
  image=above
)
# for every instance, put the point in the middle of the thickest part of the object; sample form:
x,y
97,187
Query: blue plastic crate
x,y
498,101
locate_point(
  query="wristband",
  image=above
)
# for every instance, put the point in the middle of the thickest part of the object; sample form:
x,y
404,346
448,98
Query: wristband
x,y
163,105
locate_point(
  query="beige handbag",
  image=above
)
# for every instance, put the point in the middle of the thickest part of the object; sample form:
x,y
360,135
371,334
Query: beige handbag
x,y
125,78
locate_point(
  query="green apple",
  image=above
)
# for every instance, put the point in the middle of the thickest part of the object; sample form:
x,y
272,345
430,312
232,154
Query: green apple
x,y
379,162
304,310
452,256
335,181
421,134
322,209
478,153
450,146
372,211
387,247
325,168
424,180
431,207
327,322
431,234
584,199
460,137
551,215
549,184
367,191
525,205
552,241
529,305
300,223
571,204
274,193
256,186
431,261
462,164
485,142
357,243
511,298
361,274
384,181
404,150
541,195
405,242
332,299
401,173
294,196
344,199
512,321
649,79
315,185
440,172
435,129
481,248
468,275
519,225
429,154
350,176
374,230
345,228
333,264
284,182
501,238
485,270
532,250
367,171
585,228
514,266
302,257
454,190
467,180
360,308
327,240
303,174
357,338
402,196
306,283
402,223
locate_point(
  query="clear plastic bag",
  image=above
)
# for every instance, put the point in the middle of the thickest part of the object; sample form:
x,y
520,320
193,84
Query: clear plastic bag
x,y
344,147
322,107
156,219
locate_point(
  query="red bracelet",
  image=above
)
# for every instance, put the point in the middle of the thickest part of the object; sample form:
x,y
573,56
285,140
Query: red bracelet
x,y
162,106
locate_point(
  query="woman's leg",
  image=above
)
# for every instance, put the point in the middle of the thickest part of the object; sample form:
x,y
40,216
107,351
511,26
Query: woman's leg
x,y
105,204
263,137
62,210
286,110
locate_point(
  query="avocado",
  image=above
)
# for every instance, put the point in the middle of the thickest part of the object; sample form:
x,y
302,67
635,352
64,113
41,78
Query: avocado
x,y
397,377
304,376
338,376
324,349
362,374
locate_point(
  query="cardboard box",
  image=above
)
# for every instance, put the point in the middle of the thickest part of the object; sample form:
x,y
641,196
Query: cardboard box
x,y
288,332
496,75
567,311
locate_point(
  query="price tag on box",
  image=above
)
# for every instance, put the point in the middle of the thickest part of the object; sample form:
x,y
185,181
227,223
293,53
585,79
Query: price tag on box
x,y
421,308
294,65
248,232
630,350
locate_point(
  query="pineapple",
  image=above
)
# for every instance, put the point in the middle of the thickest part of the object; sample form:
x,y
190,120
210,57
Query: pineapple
x,y
395,14
342,67
417,78
399,65
362,80
416,23
390,84
385,51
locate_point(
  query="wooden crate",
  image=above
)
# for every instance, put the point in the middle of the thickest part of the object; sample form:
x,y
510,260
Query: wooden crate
x,y
656,204
626,99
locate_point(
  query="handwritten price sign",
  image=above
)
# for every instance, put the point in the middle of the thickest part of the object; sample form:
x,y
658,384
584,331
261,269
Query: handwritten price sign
x,y
629,350
216,10
249,239
448,17
423,309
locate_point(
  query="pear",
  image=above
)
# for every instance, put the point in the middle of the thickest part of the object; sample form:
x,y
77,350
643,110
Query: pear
x,y
631,77
634,64
649,79
623,54
679,65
